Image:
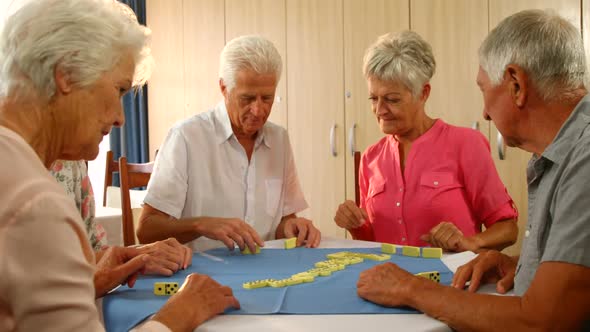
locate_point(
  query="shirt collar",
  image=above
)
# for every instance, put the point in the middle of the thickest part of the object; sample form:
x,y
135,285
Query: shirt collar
x,y
570,132
224,130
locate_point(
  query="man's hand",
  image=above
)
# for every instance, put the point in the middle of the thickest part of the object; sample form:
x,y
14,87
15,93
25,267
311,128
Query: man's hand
x,y
304,230
349,216
386,284
230,231
118,265
198,299
489,266
447,236
168,257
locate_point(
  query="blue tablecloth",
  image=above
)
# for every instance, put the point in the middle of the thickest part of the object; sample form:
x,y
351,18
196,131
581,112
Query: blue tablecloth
x,y
335,294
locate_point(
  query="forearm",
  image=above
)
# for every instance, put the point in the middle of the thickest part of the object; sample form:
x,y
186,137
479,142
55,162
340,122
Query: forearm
x,y
465,311
157,228
498,236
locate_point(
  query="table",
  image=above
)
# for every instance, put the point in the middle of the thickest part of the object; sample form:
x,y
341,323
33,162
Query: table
x,y
111,220
340,323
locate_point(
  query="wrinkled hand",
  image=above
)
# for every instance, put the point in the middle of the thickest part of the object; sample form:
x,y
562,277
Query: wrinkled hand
x,y
304,230
490,266
447,236
386,284
349,216
118,265
231,231
168,257
198,299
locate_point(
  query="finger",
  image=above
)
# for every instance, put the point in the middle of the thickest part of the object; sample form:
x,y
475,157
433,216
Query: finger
x,y
122,272
356,212
188,257
476,277
347,217
254,234
131,280
462,275
249,242
364,214
162,266
288,229
312,235
229,243
506,283
425,238
302,231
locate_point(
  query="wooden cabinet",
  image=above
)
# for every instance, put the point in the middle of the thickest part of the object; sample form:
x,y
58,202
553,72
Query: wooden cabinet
x,y
512,167
315,105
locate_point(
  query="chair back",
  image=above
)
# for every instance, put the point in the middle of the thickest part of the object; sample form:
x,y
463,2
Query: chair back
x,y
131,176
357,163
111,166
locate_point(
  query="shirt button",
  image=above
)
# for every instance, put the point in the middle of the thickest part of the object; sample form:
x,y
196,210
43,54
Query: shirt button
x,y
404,239
401,189
436,183
400,221
398,204
527,233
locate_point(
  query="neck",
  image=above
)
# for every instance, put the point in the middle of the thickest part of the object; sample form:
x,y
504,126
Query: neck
x,y
545,121
423,124
35,125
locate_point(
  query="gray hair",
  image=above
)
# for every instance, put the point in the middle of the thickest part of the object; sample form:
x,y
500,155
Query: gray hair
x,y
545,45
404,57
248,52
85,38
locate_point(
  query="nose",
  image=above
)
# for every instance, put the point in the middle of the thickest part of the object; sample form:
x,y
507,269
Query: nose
x,y
380,108
257,109
486,115
119,116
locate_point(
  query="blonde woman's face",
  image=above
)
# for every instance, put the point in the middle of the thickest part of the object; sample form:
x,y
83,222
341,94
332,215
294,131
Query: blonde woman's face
x,y
394,106
96,109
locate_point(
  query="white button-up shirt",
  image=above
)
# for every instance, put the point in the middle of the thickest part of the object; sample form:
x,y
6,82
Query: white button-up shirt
x,y
203,171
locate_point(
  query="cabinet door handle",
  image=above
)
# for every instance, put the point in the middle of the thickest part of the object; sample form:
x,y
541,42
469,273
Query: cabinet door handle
x,y
475,125
501,147
333,140
352,139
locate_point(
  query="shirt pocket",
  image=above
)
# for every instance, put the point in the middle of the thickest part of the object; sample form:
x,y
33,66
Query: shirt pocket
x,y
442,191
440,181
376,186
274,188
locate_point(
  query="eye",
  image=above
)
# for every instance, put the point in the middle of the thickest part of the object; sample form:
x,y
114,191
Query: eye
x,y
392,100
373,99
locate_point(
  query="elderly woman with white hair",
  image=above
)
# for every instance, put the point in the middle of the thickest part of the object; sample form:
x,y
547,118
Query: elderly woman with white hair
x,y
61,80
426,182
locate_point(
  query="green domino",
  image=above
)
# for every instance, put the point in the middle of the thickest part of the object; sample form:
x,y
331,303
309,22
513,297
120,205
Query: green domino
x,y
432,252
411,251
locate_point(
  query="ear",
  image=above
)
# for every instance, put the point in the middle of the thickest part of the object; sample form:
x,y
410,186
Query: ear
x,y
63,83
425,92
223,88
517,84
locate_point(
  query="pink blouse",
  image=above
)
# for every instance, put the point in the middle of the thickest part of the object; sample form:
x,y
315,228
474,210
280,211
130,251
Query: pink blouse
x,y
449,176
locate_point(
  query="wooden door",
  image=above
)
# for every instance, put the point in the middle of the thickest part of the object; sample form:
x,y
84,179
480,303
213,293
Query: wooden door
x,y
315,82
265,18
364,21
512,167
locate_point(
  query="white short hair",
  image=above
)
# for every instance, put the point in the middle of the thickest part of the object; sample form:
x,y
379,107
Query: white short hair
x,y
248,52
85,38
545,45
402,57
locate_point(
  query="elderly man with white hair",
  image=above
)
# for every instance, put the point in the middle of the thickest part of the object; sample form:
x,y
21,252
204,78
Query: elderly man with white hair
x,y
532,73
228,174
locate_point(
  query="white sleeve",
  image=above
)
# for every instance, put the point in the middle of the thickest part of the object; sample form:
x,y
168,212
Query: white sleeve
x,y
151,326
294,200
47,274
169,181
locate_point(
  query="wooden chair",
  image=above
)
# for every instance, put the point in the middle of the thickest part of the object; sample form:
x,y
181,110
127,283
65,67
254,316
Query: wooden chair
x,y
131,176
357,192
111,166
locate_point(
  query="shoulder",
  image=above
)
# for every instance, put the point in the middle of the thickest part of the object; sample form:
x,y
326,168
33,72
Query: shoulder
x,y
464,138
375,150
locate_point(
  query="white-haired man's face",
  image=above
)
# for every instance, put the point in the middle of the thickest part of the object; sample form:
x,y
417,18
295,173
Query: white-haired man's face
x,y
499,107
250,101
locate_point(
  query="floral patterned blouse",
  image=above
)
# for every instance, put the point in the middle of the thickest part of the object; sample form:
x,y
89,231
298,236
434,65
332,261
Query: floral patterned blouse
x,y
73,176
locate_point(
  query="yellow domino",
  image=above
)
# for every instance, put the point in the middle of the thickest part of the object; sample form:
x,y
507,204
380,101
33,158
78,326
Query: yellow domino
x,y
278,283
432,252
431,275
247,251
165,288
304,277
355,260
388,248
377,257
291,243
338,255
411,251
257,284
293,281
